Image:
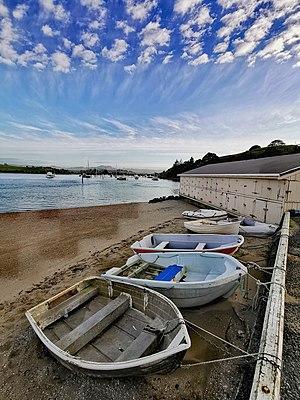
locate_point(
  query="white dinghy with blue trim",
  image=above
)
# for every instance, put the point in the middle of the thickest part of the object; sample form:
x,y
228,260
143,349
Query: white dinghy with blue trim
x,y
188,279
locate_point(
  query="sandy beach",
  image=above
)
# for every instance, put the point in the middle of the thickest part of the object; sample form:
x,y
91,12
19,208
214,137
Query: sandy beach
x,y
42,253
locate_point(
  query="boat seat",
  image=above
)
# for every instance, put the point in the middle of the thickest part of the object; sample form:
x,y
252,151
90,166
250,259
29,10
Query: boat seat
x,y
200,246
73,341
55,312
161,245
171,273
146,342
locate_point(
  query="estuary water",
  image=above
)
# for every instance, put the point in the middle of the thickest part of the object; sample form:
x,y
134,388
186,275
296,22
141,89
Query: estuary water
x,y
27,192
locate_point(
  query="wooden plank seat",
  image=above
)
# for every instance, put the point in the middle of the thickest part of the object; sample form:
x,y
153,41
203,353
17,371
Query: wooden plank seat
x,y
93,326
171,273
145,343
61,309
200,246
162,245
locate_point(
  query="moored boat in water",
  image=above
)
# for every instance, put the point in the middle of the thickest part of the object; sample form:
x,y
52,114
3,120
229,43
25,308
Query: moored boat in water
x,y
111,329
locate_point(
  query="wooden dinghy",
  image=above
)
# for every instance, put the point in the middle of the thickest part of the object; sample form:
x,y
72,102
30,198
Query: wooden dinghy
x,y
186,242
224,226
205,213
111,329
188,279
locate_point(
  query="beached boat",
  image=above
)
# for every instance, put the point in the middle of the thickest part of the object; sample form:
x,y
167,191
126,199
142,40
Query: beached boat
x,y
186,242
250,227
188,279
50,175
223,226
111,329
205,213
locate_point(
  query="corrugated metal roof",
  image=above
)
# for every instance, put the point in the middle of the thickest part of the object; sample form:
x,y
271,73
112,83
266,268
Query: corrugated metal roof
x,y
268,165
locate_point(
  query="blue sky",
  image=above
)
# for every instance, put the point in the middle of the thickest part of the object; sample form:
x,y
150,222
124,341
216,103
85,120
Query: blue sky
x,y
141,83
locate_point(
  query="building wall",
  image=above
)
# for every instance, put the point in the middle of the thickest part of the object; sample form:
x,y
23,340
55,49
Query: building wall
x,y
264,199
292,200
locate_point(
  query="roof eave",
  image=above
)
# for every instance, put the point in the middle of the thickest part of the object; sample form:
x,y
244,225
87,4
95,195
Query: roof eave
x,y
270,176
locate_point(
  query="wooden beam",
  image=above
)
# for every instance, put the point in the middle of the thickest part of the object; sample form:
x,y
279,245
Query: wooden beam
x,y
143,345
93,326
266,382
57,312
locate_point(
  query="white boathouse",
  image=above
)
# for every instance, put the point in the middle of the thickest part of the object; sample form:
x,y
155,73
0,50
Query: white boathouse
x,y
262,188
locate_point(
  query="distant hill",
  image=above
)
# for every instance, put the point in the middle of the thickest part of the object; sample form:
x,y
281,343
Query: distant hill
x,y
275,148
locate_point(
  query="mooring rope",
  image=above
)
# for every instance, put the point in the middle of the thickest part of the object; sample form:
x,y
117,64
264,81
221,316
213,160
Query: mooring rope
x,y
215,336
254,355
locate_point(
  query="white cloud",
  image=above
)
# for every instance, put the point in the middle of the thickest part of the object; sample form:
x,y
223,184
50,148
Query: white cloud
x,y
90,39
167,59
228,57
273,48
67,43
88,57
3,10
20,11
243,48
154,35
8,55
92,4
125,27
146,55
57,10
117,51
221,47
47,31
130,68
36,57
140,9
61,62
184,6
203,59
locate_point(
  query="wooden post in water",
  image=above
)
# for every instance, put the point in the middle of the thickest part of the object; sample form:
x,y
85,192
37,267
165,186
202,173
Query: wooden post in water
x,y
266,382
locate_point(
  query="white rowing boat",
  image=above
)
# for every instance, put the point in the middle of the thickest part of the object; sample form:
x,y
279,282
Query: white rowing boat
x,y
224,226
205,213
188,279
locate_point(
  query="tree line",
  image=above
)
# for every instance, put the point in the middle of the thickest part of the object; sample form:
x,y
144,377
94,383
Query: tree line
x,y
275,148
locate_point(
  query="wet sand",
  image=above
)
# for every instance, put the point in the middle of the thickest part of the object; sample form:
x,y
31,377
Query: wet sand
x,y
42,253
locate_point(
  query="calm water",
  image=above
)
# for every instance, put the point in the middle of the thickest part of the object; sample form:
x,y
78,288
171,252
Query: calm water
x,y
22,192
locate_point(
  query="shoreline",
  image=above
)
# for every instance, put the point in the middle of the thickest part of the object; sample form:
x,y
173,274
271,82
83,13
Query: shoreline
x,y
36,244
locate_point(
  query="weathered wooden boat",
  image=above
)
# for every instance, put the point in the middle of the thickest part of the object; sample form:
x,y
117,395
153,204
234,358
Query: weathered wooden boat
x,y
223,226
250,227
186,242
188,279
205,213
111,329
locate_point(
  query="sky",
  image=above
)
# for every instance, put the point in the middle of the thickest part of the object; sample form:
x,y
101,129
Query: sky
x,y
142,83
